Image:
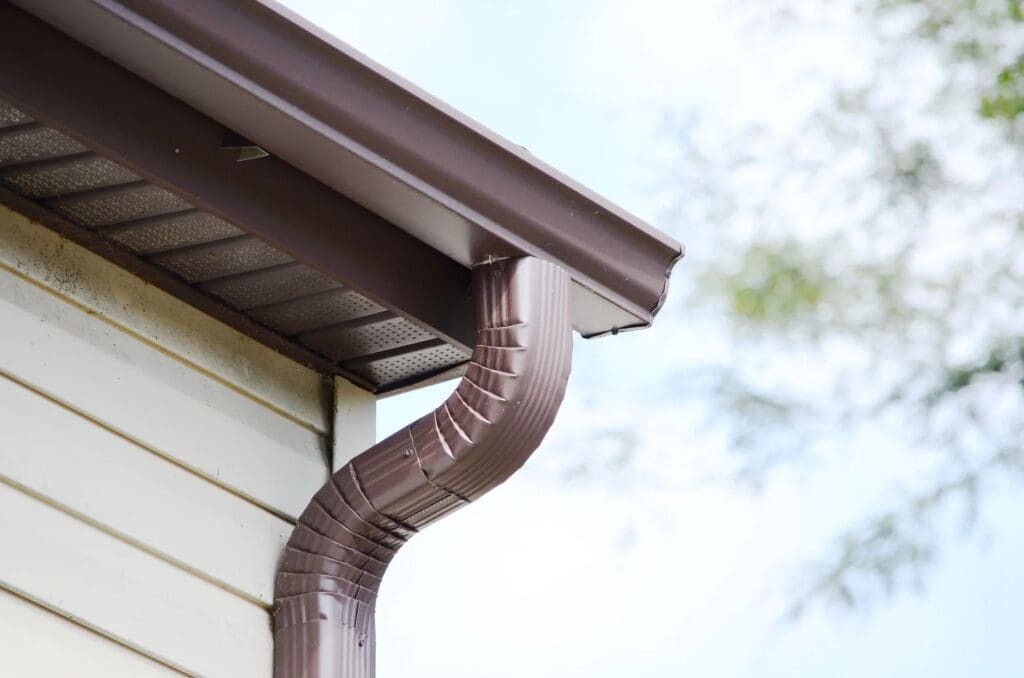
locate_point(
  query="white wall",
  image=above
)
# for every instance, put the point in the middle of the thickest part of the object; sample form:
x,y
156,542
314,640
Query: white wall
x,y
152,462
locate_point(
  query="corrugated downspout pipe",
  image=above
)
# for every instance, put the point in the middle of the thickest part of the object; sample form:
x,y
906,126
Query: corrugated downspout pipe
x,y
496,418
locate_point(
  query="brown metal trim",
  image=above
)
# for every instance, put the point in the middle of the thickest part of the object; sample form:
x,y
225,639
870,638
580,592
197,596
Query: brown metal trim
x,y
202,248
339,551
320,105
125,226
351,323
60,162
75,197
171,284
17,128
75,90
307,296
393,352
209,285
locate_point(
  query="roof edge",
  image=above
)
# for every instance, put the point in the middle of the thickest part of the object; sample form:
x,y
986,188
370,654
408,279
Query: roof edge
x,y
330,111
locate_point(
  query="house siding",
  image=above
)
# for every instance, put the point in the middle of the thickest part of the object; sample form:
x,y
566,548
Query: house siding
x,y
31,633
152,464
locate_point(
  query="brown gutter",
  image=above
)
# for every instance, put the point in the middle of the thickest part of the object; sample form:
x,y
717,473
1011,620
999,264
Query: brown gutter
x,y
496,418
320,105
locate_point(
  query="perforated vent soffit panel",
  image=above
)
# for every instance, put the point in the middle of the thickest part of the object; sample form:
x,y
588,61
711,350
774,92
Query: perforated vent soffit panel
x,y
361,338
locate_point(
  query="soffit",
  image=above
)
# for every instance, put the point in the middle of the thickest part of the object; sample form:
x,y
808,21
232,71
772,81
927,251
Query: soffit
x,y
355,336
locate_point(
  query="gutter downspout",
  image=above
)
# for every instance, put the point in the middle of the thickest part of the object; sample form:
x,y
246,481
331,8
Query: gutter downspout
x,y
334,561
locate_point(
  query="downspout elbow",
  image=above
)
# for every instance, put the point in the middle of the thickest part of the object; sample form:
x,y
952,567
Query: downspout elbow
x,y
497,416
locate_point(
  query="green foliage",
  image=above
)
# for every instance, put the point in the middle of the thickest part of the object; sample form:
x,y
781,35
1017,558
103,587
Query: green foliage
x,y
1015,8
774,283
1007,98
910,262
1004,360
916,168
972,32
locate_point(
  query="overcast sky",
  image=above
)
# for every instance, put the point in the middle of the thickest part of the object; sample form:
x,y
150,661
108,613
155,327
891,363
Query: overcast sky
x,y
658,575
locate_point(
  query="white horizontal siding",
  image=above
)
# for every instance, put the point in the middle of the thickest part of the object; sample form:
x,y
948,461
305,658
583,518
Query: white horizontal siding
x,y
96,474
152,461
149,397
119,298
38,643
127,594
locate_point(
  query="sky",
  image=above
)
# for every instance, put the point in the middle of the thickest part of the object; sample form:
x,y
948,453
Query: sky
x,y
658,574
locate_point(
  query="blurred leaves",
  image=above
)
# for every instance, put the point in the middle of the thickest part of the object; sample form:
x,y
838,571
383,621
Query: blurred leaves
x,y
876,250
765,429
1006,99
774,283
1007,359
893,550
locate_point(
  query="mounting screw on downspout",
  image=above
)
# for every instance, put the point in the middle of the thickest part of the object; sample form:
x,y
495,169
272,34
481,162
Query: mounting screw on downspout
x,y
497,416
